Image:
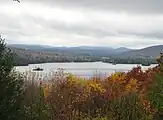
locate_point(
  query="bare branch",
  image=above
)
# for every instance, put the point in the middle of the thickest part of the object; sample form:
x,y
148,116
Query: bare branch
x,y
17,1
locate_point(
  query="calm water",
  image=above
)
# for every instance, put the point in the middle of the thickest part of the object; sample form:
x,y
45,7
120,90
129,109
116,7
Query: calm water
x,y
87,69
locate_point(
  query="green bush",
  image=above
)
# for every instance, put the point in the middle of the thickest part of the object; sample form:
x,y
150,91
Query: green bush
x,y
128,107
155,95
34,106
11,86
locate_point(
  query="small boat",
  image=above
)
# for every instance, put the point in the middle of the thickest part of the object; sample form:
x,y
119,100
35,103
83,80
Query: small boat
x,y
113,63
145,64
38,69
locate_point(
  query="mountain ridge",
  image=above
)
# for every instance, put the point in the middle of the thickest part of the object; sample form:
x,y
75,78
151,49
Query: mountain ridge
x,y
26,54
51,48
151,51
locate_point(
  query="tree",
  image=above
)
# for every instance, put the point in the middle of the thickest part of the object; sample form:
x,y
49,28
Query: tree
x,y
155,93
11,84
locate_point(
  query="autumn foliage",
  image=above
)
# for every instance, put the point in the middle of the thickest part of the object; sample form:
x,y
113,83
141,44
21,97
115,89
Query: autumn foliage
x,y
121,96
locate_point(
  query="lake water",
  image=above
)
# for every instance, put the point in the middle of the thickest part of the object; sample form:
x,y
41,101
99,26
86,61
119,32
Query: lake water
x,y
86,69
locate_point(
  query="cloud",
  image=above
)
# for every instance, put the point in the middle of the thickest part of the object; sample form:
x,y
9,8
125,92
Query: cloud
x,y
84,22
135,6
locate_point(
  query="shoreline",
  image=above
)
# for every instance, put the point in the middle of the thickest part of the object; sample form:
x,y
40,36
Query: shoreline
x,y
19,65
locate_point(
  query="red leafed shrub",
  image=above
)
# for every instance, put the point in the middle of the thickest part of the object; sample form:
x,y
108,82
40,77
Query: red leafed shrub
x,y
144,78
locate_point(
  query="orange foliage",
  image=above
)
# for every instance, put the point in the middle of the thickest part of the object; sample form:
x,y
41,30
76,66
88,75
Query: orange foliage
x,y
74,95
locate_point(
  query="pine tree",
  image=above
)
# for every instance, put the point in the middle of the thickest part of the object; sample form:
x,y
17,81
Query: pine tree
x,y
11,84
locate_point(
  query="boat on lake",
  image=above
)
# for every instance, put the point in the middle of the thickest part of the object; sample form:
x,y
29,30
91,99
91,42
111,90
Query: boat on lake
x,y
113,63
38,69
146,64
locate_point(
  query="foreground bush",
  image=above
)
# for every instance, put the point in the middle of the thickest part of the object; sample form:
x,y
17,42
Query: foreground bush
x,y
135,95
114,98
11,86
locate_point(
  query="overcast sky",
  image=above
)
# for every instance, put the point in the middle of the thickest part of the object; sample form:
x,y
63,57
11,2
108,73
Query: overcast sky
x,y
112,23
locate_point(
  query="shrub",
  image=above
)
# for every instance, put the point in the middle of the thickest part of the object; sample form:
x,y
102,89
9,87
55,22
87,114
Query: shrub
x,y
34,105
11,86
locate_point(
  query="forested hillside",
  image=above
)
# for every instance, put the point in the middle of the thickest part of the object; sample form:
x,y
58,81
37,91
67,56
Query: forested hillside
x,y
30,54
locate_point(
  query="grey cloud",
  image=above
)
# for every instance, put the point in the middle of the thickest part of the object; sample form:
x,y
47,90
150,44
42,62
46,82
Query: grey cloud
x,y
83,30
149,35
60,26
53,26
37,28
135,6
97,32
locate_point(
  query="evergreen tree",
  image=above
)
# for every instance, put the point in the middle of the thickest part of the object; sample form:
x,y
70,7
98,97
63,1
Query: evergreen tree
x,y
11,84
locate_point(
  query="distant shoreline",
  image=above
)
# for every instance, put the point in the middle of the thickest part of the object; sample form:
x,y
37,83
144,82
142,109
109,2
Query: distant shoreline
x,y
76,62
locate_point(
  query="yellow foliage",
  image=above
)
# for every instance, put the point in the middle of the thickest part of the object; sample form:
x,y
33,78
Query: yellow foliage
x,y
118,77
132,85
93,86
73,80
46,90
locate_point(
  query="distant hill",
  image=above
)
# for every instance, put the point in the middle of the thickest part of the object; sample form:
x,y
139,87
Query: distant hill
x,y
77,51
25,57
27,54
152,51
31,54
30,47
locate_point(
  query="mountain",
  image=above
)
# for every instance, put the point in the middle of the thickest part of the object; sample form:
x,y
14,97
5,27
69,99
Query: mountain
x,y
25,57
31,47
152,51
81,50
29,54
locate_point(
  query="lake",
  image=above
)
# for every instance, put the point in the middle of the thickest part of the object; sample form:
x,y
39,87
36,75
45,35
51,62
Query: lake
x,y
86,69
